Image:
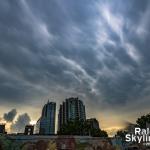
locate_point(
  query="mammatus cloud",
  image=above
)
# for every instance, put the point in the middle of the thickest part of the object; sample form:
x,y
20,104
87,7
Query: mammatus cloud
x,y
19,125
9,117
96,50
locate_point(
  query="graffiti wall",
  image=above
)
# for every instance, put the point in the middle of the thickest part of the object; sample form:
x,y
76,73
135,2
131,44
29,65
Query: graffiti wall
x,y
58,143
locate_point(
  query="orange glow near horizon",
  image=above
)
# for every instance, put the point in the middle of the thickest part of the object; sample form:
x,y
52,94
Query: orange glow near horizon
x,y
33,122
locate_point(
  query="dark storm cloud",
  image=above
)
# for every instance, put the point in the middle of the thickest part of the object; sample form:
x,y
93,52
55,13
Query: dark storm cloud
x,y
98,50
19,125
9,117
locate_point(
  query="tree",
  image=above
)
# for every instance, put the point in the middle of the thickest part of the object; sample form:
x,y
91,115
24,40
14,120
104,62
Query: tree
x,y
141,122
72,128
6,144
98,133
103,133
78,127
121,134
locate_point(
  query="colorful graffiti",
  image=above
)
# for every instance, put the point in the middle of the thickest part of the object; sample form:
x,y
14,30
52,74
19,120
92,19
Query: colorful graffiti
x,y
58,143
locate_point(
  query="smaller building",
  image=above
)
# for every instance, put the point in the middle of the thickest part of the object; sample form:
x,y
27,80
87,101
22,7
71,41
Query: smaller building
x,y
29,129
93,122
2,129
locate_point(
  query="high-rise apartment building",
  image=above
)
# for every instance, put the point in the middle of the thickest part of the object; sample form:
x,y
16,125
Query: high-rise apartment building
x,y
47,120
70,110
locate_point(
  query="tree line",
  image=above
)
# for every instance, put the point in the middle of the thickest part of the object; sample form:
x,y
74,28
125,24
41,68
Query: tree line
x,y
80,127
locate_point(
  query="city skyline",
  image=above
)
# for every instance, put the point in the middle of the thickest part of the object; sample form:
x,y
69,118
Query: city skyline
x,y
71,110
95,50
15,123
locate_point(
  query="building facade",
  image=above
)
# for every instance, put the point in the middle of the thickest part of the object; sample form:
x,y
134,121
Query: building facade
x,y
70,110
93,122
2,129
47,120
29,130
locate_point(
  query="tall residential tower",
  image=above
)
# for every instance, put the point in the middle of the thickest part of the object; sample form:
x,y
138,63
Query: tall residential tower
x,y
47,120
70,110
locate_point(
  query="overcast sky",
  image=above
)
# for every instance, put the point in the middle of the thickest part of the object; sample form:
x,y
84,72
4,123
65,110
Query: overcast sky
x,y
98,50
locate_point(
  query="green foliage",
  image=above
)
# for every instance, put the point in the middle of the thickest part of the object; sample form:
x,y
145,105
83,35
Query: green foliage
x,y
99,133
73,128
6,144
141,122
81,128
121,134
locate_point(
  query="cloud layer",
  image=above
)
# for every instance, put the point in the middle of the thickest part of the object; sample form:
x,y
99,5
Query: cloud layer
x,y
97,50
19,125
9,117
